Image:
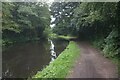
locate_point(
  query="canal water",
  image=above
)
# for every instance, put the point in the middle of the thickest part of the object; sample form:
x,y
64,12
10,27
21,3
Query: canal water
x,y
24,60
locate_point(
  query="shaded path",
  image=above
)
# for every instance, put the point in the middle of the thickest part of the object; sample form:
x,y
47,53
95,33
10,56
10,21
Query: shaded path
x,y
91,64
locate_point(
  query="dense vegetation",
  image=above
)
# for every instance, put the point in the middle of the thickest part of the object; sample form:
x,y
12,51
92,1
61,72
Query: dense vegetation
x,y
23,21
61,66
97,22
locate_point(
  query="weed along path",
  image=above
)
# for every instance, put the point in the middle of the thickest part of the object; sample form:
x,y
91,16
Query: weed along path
x,y
91,64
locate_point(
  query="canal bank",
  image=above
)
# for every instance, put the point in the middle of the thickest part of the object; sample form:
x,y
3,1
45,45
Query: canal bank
x,y
60,67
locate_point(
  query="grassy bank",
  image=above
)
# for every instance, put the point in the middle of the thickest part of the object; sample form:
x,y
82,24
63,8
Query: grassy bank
x,y
61,66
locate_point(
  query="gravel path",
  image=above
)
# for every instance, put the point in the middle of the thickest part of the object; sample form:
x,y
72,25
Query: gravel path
x,y
91,64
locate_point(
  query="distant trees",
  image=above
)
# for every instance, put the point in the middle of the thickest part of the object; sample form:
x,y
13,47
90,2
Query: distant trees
x,y
93,21
24,21
63,12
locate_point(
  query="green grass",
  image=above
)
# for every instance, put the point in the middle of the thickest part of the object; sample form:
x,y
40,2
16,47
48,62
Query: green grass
x,y
55,36
62,65
67,37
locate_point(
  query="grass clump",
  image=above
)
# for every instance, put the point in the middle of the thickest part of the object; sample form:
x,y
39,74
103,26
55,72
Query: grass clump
x,y
61,66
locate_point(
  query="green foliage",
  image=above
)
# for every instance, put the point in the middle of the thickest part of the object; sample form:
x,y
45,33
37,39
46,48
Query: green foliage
x,y
67,37
99,43
97,22
63,13
61,66
8,22
24,21
111,44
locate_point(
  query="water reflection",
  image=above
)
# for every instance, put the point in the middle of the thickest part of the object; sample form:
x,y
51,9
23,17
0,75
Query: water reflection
x,y
52,50
26,59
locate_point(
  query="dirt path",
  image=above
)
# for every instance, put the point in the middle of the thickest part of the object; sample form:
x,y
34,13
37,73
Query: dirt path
x,y
91,64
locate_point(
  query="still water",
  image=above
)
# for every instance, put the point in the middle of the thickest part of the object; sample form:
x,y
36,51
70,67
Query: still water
x,y
23,60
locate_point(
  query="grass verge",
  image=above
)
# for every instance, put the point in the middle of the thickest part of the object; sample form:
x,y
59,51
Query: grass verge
x,y
67,37
55,36
61,66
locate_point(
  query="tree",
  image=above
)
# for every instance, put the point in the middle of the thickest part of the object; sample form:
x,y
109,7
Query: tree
x,y
97,22
24,21
63,12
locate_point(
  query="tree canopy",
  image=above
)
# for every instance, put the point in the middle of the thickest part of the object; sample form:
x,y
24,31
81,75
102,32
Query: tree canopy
x,y
93,21
96,22
24,20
